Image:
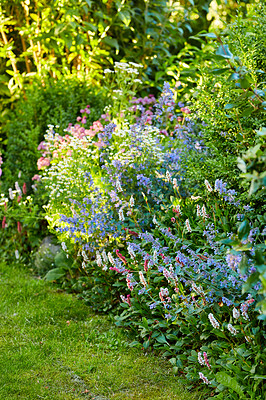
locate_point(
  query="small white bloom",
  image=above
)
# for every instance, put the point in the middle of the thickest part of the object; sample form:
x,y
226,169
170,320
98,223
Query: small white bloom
x,y
111,259
208,186
83,265
236,313
188,225
175,183
168,176
98,259
205,380
108,71
200,359
63,245
11,195
104,256
198,210
232,329
213,321
154,220
131,201
17,254
118,185
131,251
203,212
121,215
142,279
18,189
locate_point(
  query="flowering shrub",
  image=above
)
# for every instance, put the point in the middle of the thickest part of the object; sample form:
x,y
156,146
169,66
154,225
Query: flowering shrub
x,y
184,293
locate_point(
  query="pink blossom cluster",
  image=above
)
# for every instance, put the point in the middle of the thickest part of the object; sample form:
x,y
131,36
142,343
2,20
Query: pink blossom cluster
x,y
150,99
85,111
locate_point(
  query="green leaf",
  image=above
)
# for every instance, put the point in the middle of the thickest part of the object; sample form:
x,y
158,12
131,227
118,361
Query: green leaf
x,y
229,382
61,261
218,71
243,230
233,77
111,42
210,35
54,274
161,339
125,17
241,165
229,106
224,51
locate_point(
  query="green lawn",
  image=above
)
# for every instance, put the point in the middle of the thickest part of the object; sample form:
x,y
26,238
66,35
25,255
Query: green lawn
x,y
53,347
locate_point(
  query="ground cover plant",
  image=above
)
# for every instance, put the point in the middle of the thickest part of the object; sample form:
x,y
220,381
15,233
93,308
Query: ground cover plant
x,y
157,213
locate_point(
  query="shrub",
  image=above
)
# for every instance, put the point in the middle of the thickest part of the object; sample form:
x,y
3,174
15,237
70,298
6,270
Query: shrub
x,y
57,103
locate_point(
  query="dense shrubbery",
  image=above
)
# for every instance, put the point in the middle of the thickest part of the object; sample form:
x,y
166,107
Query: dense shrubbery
x,y
158,206
57,103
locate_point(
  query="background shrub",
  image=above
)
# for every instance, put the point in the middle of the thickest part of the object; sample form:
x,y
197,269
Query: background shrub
x,y
58,103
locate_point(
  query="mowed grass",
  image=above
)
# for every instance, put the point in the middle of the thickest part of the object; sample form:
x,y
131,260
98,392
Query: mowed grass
x,y
53,347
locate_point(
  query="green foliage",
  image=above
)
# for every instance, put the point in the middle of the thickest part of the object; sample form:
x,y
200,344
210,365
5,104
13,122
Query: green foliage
x,y
230,99
57,103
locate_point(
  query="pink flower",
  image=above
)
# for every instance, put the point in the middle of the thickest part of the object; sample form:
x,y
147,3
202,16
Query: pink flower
x,y
24,188
173,219
19,199
42,146
36,178
19,227
4,223
206,360
43,162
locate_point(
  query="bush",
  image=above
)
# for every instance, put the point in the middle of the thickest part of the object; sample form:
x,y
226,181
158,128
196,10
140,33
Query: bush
x,y
57,103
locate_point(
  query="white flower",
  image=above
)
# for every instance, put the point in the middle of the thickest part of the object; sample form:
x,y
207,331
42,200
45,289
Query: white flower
x,y
111,259
236,313
178,209
208,186
175,183
142,279
11,195
118,186
121,215
197,289
168,176
131,251
154,220
84,255
108,71
232,329
188,225
83,265
131,201
198,210
205,380
200,359
63,245
18,189
203,212
213,321
98,259
104,256
17,254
